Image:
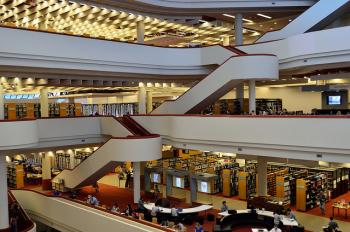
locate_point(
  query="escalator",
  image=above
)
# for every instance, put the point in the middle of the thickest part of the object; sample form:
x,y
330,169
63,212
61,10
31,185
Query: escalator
x,y
235,70
317,17
141,146
24,223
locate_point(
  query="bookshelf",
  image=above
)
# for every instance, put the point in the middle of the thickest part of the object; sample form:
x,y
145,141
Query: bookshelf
x,y
15,175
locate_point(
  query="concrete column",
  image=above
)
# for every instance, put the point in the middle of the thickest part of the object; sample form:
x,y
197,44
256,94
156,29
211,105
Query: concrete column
x,y
226,41
44,102
252,106
149,101
71,158
4,212
262,176
239,29
240,95
2,107
140,30
46,170
137,183
142,100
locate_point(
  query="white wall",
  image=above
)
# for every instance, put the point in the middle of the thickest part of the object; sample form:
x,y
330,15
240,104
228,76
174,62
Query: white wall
x,y
286,137
18,134
65,213
110,126
293,98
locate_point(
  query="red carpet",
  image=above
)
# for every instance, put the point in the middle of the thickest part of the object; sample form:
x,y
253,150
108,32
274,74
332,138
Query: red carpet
x,y
329,212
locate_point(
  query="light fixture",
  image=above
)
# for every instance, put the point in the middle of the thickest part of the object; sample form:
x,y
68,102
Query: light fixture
x,y
264,16
232,16
289,20
202,21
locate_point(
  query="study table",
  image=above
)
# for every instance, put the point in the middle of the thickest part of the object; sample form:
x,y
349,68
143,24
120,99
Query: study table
x,y
341,205
197,209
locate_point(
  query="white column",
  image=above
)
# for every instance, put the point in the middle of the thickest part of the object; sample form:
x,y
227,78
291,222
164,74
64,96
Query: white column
x,y
137,182
239,29
142,99
46,170
240,95
71,158
226,41
262,176
252,106
44,102
2,110
140,30
149,99
4,212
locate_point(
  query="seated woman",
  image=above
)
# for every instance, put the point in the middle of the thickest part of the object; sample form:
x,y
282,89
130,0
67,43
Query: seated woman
x,y
115,208
129,210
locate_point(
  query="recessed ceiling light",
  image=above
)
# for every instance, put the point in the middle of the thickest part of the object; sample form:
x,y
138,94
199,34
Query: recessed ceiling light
x,y
202,21
290,20
271,28
264,16
260,25
228,15
275,23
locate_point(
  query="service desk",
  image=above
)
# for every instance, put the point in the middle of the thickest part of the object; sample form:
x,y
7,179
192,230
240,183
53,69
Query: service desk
x,y
193,210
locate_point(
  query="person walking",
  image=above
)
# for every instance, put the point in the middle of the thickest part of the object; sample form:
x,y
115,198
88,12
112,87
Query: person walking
x,y
322,199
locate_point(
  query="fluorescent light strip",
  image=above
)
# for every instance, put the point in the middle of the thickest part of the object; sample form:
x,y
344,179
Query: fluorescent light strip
x,y
202,21
232,16
264,16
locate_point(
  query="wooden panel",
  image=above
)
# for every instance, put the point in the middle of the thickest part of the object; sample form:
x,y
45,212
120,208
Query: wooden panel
x,y
242,185
301,195
30,110
63,109
226,182
20,176
78,108
280,186
11,107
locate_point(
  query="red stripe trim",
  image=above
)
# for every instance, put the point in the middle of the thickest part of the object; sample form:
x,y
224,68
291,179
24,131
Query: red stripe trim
x,y
245,116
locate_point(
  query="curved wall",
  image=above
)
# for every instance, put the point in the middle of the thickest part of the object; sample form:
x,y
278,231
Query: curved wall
x,y
18,134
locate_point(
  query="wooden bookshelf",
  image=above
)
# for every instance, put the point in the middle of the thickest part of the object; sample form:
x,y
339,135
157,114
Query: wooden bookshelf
x,y
15,175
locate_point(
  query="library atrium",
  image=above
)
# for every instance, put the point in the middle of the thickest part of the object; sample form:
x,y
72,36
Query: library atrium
x,y
174,115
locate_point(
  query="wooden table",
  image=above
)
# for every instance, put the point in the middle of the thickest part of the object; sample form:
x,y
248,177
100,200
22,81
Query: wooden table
x,y
339,205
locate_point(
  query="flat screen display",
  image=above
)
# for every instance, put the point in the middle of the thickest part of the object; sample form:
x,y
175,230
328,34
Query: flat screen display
x,y
334,100
203,187
155,177
178,182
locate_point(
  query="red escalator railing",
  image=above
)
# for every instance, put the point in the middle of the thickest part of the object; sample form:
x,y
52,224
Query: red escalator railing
x,y
24,223
135,128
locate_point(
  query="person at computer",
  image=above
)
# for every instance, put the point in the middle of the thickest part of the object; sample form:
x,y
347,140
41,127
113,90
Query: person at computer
x,y
154,211
275,229
115,208
141,205
92,200
224,207
276,218
129,211
290,214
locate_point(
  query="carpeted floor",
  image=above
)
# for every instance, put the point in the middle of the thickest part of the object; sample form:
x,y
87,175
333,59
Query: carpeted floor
x,y
329,209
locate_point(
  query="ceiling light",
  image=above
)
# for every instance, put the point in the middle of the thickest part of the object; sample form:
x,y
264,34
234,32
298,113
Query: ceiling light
x,y
232,16
228,15
264,16
202,21
275,23
290,20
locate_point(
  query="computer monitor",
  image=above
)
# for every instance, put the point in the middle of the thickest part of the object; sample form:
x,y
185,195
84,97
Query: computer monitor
x,y
334,100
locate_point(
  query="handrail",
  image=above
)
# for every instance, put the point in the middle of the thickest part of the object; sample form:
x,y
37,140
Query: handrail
x,y
101,209
246,116
24,222
242,54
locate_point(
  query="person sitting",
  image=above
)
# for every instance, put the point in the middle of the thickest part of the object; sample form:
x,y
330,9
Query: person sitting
x,y
129,210
224,207
92,200
115,208
276,218
155,210
198,227
275,229
141,205
332,225
179,227
291,215
174,212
